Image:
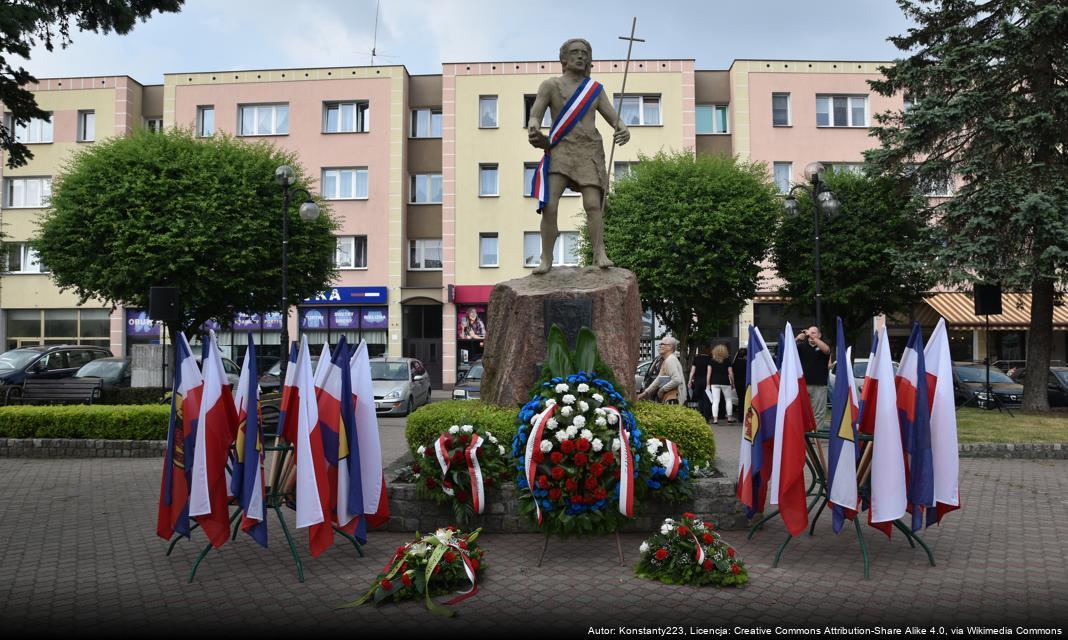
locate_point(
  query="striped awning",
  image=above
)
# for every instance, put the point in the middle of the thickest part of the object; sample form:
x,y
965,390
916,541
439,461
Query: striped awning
x,y
959,311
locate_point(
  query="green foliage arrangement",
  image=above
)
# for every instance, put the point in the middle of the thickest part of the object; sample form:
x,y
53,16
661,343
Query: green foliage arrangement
x,y
690,551
681,425
868,262
989,107
699,261
105,422
429,421
167,208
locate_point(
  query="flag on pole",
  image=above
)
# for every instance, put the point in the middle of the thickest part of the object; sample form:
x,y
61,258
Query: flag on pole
x,y
879,420
943,424
248,477
758,424
375,501
173,514
350,506
322,368
787,486
216,429
287,407
914,417
842,449
313,489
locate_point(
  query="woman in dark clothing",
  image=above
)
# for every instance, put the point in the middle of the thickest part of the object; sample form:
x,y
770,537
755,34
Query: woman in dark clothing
x,y
738,373
698,382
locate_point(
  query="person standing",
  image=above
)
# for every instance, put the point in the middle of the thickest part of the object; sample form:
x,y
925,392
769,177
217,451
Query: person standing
x,y
669,386
700,372
720,381
815,355
741,361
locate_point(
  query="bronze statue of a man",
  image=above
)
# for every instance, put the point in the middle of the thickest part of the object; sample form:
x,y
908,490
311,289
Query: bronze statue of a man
x,y
574,152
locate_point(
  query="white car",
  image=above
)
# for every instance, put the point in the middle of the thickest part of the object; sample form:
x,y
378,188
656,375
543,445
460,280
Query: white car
x,y
401,385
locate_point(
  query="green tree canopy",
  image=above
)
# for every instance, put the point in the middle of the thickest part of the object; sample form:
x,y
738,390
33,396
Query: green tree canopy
x,y
167,209
694,231
23,24
989,88
870,252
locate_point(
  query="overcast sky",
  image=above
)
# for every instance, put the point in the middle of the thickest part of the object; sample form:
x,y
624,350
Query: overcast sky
x,y
220,35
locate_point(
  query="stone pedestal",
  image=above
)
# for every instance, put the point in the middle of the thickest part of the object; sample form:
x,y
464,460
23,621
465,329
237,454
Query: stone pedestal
x,y
606,300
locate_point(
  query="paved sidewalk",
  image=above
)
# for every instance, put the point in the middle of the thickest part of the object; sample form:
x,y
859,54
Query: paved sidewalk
x,y
79,553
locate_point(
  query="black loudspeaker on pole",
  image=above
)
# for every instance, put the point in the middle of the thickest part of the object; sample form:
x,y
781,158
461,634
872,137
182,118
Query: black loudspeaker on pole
x,y
987,299
163,305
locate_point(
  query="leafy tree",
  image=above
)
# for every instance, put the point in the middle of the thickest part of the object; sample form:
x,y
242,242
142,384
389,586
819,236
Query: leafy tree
x,y
167,209
989,81
869,260
23,24
694,231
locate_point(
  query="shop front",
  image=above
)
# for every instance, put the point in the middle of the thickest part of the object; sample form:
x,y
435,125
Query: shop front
x,y
472,318
358,313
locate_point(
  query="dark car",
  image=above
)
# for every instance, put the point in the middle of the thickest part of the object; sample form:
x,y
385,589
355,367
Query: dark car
x,y
969,384
114,372
1056,385
48,362
269,382
468,387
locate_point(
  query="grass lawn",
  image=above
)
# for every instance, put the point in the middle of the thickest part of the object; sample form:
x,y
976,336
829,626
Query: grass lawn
x,y
977,425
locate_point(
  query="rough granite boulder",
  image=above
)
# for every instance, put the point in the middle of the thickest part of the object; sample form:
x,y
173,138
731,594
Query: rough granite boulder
x,y
515,338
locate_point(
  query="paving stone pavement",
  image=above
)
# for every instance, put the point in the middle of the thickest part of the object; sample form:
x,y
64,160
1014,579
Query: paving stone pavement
x,y
78,552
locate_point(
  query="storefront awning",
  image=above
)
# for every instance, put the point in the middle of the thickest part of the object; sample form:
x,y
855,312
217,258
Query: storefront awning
x,y
959,311
472,293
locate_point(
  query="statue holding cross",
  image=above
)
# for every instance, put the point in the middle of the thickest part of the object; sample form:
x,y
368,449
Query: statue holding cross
x,y
574,152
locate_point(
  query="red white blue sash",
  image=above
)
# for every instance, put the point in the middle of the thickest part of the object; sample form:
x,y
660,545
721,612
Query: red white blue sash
x,y
580,102
626,466
533,445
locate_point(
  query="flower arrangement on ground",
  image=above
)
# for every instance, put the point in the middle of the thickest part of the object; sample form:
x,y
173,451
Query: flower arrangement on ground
x,y
669,473
578,447
430,566
459,467
690,551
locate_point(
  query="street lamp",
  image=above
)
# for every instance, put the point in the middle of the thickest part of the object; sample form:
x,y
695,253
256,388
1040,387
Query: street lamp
x,y
285,176
823,199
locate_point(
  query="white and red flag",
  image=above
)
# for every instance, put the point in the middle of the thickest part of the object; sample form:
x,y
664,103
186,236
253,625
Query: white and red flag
x,y
322,367
364,437
792,419
313,486
758,424
943,424
878,406
216,430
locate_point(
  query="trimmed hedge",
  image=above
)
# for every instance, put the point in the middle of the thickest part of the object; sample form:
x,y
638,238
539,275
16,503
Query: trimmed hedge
x,y
104,422
426,422
134,395
683,426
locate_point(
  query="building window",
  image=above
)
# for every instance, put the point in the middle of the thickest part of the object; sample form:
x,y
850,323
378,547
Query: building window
x,y
487,250
263,119
783,176
19,257
841,111
936,185
345,184
346,117
205,121
780,109
36,131
855,168
424,255
487,112
528,104
565,250
487,180
86,126
712,118
57,326
351,252
622,169
27,193
426,123
425,188
907,103
639,111
155,125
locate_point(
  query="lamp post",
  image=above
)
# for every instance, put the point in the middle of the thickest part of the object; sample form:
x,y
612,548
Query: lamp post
x,y
285,176
823,199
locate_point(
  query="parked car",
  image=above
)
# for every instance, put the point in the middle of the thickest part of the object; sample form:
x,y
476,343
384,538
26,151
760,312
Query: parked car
x,y
233,372
401,385
860,369
53,361
114,372
1056,385
269,382
969,381
639,375
469,386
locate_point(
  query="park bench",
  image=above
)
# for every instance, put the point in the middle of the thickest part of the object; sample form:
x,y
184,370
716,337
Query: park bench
x,y
61,391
